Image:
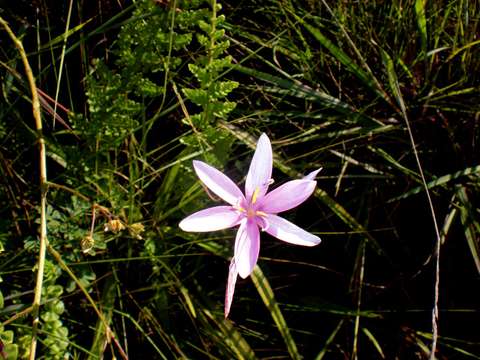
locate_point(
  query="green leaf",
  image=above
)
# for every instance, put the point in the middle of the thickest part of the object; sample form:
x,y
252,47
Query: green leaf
x,y
442,180
6,336
393,80
197,96
61,38
374,341
12,351
341,56
422,23
330,339
471,225
300,90
232,337
266,293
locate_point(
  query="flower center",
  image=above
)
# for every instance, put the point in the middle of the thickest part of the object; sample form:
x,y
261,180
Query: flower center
x,y
251,212
249,209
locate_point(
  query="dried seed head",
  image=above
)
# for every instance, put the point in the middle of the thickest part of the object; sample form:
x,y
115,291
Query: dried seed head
x,y
87,244
114,226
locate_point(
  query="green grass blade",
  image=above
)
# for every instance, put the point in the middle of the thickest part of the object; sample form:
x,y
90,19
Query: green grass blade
x,y
330,339
346,60
386,156
300,90
446,341
268,297
470,224
442,180
374,341
422,23
144,333
351,160
61,38
232,337
393,80
339,54
463,48
101,336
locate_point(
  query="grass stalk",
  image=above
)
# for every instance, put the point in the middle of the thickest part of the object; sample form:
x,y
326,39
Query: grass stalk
x,y
110,335
43,187
395,87
359,301
62,58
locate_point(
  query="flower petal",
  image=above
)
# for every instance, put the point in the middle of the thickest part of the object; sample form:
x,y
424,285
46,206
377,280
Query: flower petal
x,y
287,196
289,232
219,183
247,247
312,175
260,171
232,279
211,219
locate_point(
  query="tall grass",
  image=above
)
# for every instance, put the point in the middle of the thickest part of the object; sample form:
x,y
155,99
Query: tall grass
x,y
382,95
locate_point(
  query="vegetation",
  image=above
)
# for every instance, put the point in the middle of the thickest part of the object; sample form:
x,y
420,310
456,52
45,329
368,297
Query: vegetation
x,y
384,95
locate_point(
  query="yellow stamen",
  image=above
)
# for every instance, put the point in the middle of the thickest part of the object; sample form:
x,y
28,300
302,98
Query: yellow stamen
x,y
261,213
255,195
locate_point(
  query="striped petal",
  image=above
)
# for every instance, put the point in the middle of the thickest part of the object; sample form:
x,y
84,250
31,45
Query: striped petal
x,y
219,183
289,232
287,196
312,175
211,219
232,279
260,171
247,247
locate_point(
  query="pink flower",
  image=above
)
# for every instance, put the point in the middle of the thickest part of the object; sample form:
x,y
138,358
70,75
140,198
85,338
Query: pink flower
x,y
255,210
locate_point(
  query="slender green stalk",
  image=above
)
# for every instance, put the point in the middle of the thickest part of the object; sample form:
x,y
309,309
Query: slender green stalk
x,y
359,301
109,334
363,62
43,187
436,295
398,95
62,58
210,56
266,293
149,124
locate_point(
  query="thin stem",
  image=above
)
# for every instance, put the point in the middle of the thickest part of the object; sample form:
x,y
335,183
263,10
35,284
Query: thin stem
x,y
396,90
148,126
359,303
210,54
43,187
62,58
363,63
108,331
70,190
438,244
17,315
